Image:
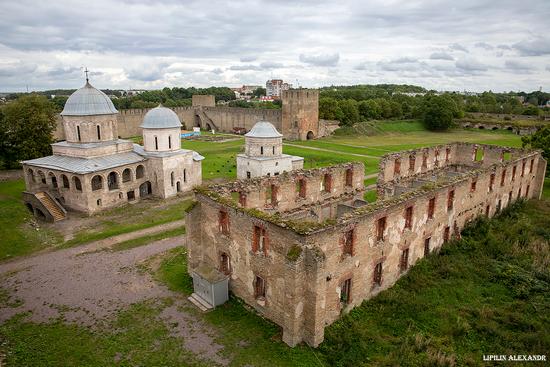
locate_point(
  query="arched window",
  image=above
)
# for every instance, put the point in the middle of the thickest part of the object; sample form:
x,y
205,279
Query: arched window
x,y
65,181
78,132
184,175
140,171
169,142
126,175
112,181
42,177
156,143
261,150
31,174
172,179
53,180
77,183
97,183
98,132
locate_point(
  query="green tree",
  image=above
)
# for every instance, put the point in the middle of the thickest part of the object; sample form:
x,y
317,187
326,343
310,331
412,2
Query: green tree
x,y
329,109
531,110
350,112
259,92
438,112
26,129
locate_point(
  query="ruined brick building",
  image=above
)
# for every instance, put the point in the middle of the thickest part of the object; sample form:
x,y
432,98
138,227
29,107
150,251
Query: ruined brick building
x,y
303,247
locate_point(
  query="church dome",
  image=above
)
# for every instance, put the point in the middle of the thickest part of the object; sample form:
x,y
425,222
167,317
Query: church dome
x,y
263,129
161,118
88,101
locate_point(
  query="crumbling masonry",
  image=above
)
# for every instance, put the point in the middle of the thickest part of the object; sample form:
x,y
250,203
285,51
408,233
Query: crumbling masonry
x,y
303,247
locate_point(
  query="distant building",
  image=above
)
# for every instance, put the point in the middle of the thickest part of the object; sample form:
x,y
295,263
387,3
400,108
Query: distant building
x,y
275,87
245,92
263,155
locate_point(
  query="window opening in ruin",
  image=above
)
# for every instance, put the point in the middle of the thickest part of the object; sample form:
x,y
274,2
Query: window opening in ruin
x,y
487,210
513,173
446,234
259,288
450,199
424,160
519,192
326,183
408,217
411,163
98,202
242,199
447,154
502,177
349,177
223,219
345,291
478,155
271,194
506,156
224,264
431,208
259,240
397,167
131,195
78,133
98,133
427,246
436,158
473,186
527,191
491,182
509,197
499,205
522,168
404,261
531,166
301,188
380,228
156,143
377,276
247,174
348,242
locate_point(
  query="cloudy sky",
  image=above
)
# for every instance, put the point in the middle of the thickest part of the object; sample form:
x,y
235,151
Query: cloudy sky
x,y
441,44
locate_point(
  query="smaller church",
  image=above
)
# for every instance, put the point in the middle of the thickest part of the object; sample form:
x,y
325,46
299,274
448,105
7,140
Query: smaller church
x,y
93,169
263,154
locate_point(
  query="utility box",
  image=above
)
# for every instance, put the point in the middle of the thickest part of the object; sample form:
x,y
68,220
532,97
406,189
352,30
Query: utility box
x,y
210,286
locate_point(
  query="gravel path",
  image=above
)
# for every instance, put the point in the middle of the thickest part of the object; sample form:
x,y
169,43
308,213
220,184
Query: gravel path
x,y
90,285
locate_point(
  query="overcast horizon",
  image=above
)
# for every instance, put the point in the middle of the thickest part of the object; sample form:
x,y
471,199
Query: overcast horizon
x,y
442,45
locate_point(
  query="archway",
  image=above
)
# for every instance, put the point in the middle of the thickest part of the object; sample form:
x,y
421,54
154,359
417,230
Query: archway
x,y
145,189
208,127
310,135
494,128
481,127
29,206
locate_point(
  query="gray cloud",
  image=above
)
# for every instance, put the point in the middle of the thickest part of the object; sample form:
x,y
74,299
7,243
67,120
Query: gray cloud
x,y
470,65
504,47
320,59
484,45
245,67
248,58
441,56
458,47
271,65
533,47
518,66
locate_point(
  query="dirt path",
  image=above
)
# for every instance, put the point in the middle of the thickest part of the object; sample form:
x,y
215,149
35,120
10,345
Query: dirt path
x,y
90,286
331,151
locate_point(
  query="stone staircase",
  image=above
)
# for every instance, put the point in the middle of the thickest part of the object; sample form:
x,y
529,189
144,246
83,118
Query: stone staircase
x,y
207,120
52,206
198,301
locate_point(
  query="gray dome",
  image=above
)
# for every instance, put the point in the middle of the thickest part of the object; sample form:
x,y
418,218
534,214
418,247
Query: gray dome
x,y
263,129
88,101
161,118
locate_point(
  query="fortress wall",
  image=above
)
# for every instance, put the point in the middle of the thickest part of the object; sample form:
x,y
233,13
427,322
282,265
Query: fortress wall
x,y
227,118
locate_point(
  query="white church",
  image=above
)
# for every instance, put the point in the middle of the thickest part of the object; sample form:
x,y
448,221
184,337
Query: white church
x,y
94,170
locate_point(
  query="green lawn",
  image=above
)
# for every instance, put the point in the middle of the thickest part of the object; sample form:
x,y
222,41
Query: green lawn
x,y
19,234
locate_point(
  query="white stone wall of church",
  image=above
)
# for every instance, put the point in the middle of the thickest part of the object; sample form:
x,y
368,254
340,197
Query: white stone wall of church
x,y
88,128
262,167
163,136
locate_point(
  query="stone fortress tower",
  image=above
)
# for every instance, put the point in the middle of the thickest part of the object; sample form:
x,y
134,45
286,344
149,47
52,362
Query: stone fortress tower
x,y
93,170
263,155
300,115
